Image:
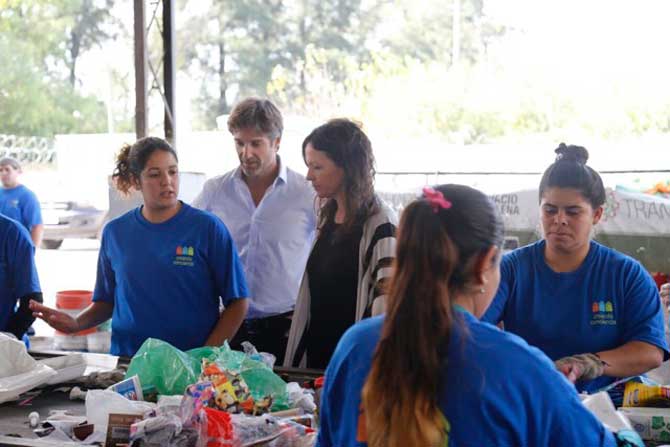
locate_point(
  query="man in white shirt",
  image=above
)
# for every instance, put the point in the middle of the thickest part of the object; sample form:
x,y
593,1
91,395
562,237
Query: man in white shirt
x,y
270,212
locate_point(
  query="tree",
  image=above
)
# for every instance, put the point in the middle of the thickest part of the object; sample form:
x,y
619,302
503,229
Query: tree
x,y
232,46
427,32
328,40
35,95
90,25
240,47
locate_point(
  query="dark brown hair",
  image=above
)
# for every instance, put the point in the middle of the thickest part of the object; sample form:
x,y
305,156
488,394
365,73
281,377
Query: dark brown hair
x,y
131,160
570,171
436,254
345,143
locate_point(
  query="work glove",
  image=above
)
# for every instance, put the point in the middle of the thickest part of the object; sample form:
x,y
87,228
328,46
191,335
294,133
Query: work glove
x,y
628,438
581,367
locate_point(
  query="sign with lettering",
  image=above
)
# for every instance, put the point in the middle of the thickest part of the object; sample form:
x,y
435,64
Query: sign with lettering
x,y
625,213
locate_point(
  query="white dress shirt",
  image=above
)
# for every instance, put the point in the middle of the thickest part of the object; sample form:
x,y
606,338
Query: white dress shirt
x,y
273,239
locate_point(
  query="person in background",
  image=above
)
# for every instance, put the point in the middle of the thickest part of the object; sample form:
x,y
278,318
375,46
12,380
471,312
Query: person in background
x,y
164,267
428,372
18,202
351,258
270,212
18,278
591,309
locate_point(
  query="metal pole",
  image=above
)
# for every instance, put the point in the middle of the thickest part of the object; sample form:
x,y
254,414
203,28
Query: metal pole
x,y
140,70
169,73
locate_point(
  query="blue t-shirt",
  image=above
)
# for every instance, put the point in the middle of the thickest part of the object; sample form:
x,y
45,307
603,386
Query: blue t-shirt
x,y
494,390
21,204
165,280
608,301
18,275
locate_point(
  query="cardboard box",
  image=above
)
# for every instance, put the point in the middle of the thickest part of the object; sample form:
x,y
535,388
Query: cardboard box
x,y
653,424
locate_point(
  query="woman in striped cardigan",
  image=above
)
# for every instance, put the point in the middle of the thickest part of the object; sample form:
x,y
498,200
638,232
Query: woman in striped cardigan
x,y
354,250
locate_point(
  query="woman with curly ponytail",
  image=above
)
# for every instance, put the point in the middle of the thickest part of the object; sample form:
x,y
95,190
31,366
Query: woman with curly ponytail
x,y
164,267
428,373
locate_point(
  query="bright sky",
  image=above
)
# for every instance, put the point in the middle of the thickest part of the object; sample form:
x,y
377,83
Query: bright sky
x,y
609,38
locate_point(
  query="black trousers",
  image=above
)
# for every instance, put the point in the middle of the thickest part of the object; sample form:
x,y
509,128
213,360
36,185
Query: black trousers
x,y
268,334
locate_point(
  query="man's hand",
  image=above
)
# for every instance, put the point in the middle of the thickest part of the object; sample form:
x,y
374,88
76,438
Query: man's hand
x,y
55,318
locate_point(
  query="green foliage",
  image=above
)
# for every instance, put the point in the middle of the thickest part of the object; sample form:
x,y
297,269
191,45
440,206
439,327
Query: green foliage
x,y
389,63
36,92
263,47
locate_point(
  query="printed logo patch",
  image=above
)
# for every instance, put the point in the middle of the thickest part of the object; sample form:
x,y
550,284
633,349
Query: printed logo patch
x,y
14,203
602,313
184,255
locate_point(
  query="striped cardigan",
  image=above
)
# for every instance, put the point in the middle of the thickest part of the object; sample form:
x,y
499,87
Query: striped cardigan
x,y
375,255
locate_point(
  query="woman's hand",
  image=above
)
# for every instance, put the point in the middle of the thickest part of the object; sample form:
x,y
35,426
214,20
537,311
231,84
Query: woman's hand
x,y
581,367
55,318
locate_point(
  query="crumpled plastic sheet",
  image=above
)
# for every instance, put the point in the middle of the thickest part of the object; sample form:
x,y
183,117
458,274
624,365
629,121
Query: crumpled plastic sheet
x,y
19,372
100,403
255,430
300,398
163,430
265,357
63,425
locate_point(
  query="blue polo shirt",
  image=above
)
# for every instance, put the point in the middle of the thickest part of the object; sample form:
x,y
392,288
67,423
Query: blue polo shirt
x,y
18,275
165,280
494,390
608,301
21,204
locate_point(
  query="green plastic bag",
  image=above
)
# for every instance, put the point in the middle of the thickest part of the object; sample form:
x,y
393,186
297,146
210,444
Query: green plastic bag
x,y
170,370
165,367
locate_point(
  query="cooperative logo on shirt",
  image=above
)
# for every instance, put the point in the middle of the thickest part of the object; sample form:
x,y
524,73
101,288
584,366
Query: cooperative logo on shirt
x,y
602,313
184,255
14,203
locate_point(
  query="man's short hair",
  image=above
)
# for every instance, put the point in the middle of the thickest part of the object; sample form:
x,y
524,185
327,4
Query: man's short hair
x,y
9,161
256,113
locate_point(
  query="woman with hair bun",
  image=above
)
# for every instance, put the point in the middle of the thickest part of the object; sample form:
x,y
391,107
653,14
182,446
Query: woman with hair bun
x,y
164,267
594,311
430,374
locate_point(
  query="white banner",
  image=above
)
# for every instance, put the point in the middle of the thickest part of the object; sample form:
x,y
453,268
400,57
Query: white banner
x,y
626,213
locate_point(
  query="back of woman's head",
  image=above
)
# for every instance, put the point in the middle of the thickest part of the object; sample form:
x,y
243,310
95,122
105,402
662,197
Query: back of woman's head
x,y
569,170
346,144
131,160
441,237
